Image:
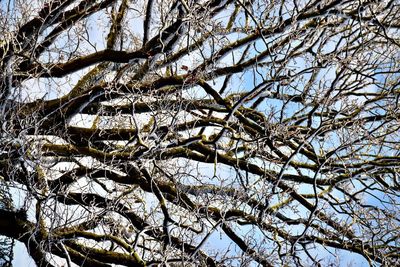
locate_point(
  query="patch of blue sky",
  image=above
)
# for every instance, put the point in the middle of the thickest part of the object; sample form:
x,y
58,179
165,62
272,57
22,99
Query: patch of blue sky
x,y
92,37
91,40
339,257
62,40
19,11
216,243
48,88
324,254
288,9
21,256
7,6
224,16
208,173
385,201
10,14
219,243
135,17
20,200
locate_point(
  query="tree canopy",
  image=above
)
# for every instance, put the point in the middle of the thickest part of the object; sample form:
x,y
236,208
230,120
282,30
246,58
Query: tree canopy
x,y
200,132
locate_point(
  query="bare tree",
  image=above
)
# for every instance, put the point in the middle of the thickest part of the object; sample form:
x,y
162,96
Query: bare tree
x,y
201,132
